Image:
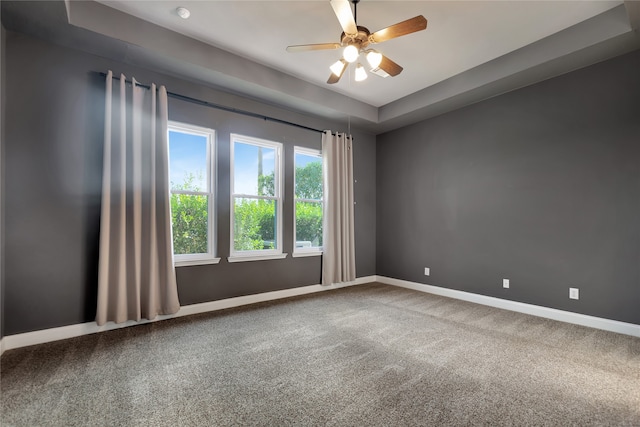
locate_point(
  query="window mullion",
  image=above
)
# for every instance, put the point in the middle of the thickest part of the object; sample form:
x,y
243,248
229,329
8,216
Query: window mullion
x,y
191,193
252,196
308,200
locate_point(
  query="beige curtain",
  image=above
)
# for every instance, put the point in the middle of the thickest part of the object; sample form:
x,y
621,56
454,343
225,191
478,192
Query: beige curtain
x,y
339,254
136,277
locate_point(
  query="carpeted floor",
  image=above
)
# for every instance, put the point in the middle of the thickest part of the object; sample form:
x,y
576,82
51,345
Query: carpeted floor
x,y
361,356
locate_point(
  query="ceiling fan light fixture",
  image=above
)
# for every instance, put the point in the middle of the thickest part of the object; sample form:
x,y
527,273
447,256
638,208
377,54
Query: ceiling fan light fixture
x,y
374,58
355,40
338,67
361,74
350,53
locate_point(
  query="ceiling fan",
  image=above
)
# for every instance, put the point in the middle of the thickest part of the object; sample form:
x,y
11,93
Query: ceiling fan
x,y
356,40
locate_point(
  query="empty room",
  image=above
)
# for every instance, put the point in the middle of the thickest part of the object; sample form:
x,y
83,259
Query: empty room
x,y
320,213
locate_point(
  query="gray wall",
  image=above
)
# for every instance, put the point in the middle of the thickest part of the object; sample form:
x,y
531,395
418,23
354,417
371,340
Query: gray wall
x,y
53,148
540,185
2,62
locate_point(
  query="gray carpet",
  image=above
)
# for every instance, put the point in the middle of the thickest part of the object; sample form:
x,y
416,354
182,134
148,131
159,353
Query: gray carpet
x,y
361,356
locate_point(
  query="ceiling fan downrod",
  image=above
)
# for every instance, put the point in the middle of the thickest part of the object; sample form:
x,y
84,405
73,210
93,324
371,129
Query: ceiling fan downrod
x,y
355,10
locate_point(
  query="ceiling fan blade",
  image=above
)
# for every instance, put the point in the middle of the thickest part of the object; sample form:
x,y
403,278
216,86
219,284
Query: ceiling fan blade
x,y
334,79
389,67
403,28
342,9
310,47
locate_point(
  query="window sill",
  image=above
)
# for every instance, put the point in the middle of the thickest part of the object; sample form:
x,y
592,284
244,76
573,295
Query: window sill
x,y
306,254
202,261
241,258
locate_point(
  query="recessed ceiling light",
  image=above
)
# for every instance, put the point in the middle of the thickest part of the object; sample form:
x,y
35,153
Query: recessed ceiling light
x,y
183,12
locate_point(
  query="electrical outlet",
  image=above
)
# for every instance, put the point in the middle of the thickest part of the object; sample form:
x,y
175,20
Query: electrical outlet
x,y
427,271
505,283
574,293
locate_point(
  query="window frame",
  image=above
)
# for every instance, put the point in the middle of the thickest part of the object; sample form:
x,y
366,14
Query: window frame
x,y
311,251
210,256
278,187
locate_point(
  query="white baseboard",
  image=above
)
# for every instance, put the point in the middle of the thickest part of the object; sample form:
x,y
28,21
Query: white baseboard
x,y
535,310
54,334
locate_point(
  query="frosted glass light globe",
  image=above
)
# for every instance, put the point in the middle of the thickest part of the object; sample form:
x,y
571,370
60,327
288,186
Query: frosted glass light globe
x,y
374,58
361,74
350,53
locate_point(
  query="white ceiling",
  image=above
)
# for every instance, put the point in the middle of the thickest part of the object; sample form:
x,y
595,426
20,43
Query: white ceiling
x,y
460,35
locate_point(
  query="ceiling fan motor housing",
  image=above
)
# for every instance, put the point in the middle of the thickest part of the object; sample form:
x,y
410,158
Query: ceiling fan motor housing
x,y
361,40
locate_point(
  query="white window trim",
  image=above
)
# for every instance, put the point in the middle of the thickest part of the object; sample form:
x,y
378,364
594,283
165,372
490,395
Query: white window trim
x,y
184,262
258,255
303,252
180,260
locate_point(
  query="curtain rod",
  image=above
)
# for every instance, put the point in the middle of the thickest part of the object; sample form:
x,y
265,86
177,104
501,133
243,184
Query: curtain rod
x,y
222,107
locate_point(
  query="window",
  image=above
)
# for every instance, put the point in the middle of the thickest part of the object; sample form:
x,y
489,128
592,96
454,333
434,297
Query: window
x,y
256,199
308,202
191,165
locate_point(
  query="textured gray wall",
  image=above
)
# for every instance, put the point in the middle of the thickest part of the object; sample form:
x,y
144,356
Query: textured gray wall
x,y
54,130
540,185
